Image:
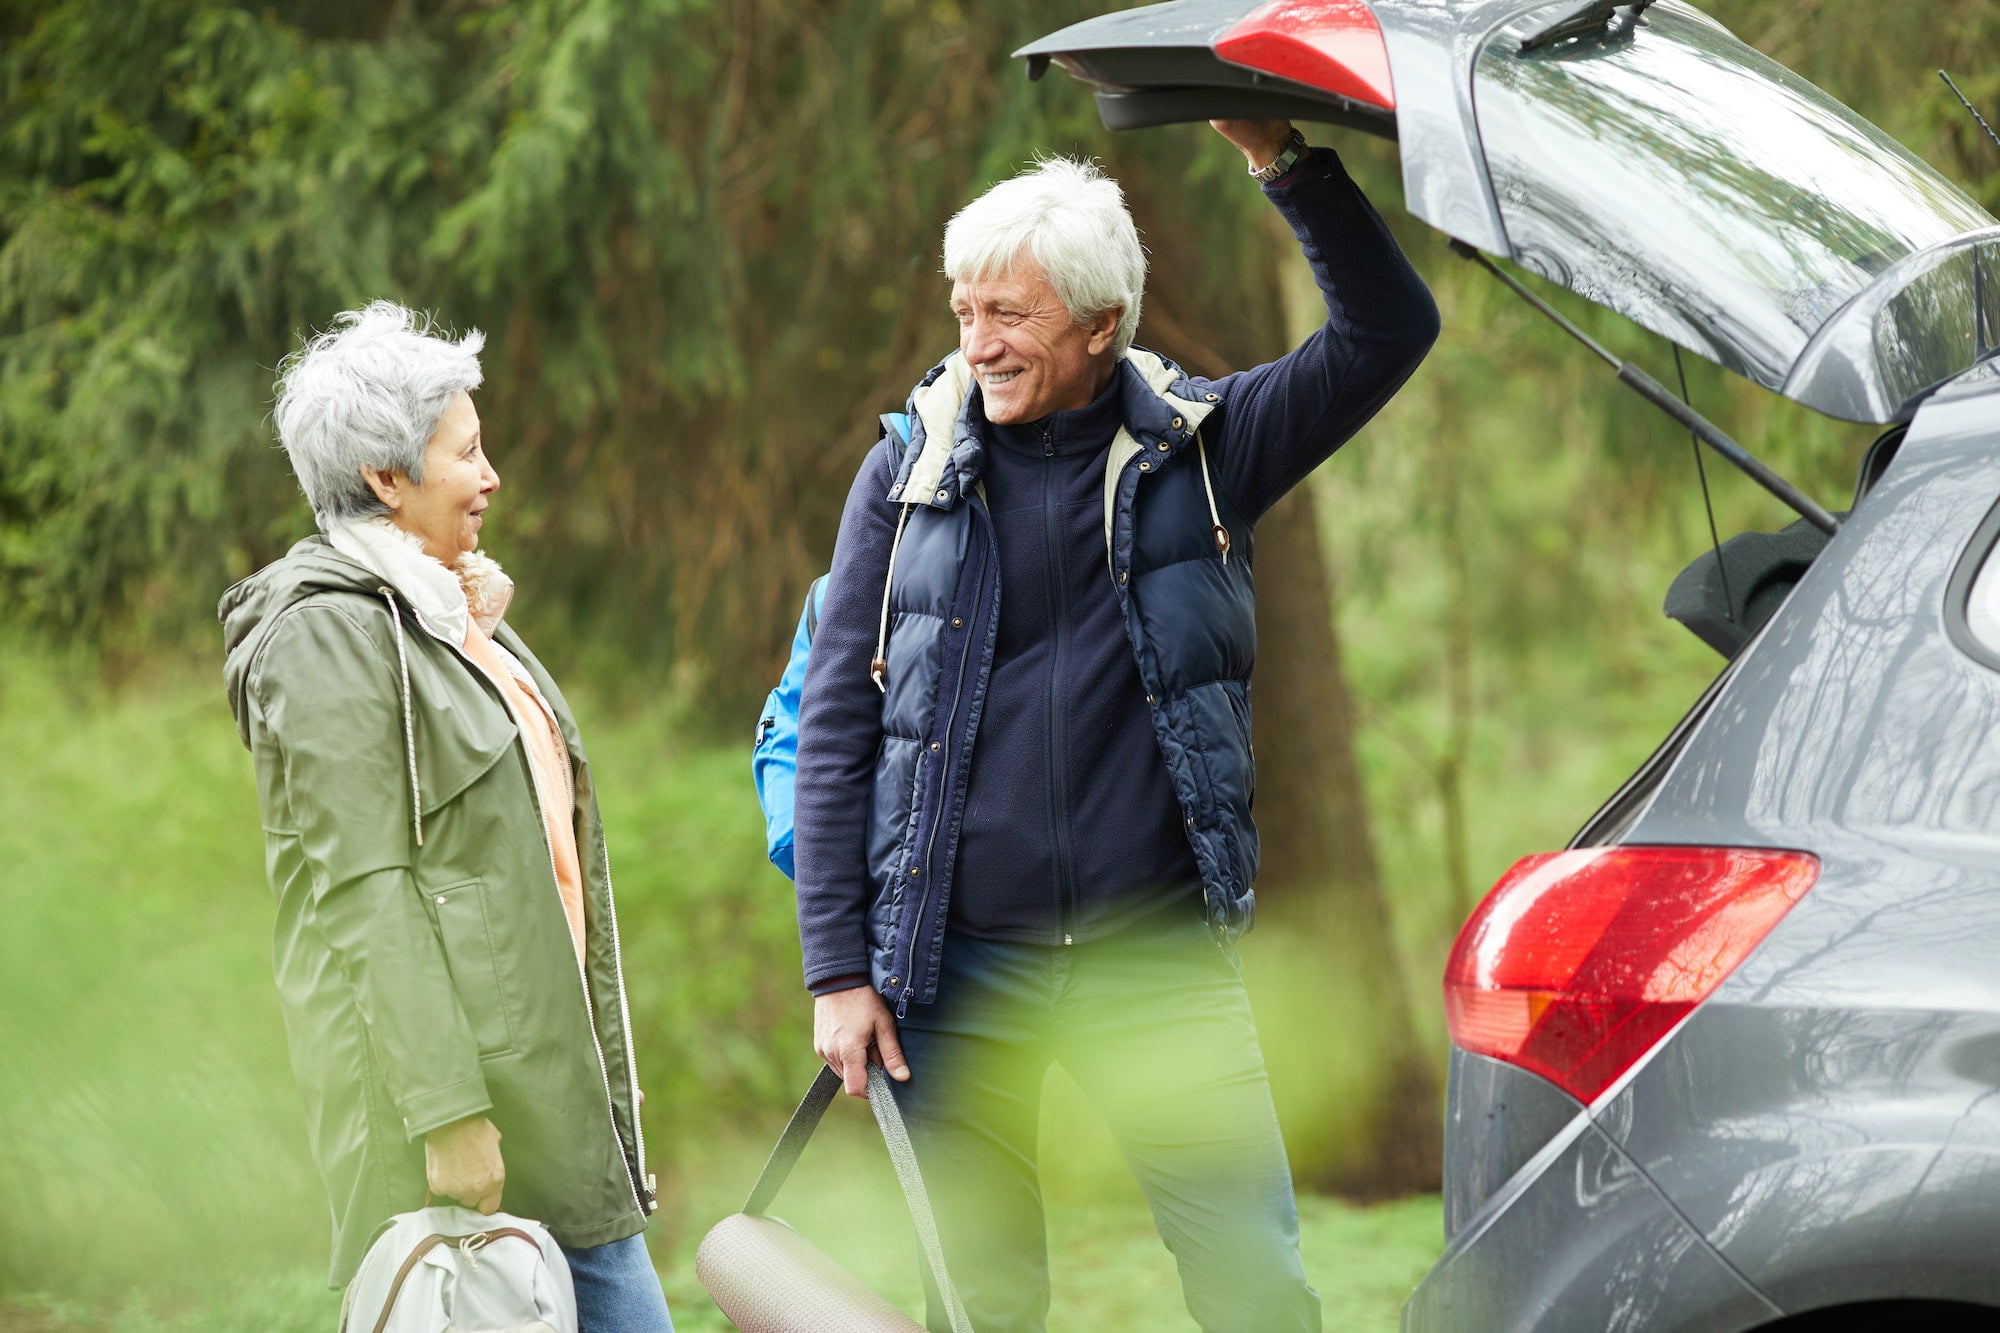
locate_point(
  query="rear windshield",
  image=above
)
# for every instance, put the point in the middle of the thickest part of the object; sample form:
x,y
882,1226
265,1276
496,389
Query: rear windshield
x,y
1699,188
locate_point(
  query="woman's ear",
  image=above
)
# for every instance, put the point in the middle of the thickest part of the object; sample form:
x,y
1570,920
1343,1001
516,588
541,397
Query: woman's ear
x,y
387,485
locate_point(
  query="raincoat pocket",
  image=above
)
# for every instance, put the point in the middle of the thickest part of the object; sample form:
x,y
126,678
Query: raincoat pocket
x,y
465,927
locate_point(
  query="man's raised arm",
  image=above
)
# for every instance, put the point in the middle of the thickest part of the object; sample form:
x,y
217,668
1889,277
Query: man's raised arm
x,y
1283,419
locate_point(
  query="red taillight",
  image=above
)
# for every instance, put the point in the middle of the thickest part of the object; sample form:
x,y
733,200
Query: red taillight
x,y
1335,45
1579,962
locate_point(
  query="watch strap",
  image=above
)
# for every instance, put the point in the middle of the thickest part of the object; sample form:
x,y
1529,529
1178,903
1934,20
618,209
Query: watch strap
x,y
1287,158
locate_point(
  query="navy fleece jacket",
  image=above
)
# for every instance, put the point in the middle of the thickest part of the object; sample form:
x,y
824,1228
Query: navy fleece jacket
x,y
1071,827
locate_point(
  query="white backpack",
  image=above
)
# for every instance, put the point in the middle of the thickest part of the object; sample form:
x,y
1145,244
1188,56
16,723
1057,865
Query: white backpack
x,y
448,1269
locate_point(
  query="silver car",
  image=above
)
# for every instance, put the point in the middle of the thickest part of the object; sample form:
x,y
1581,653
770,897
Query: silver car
x,y
1730,1060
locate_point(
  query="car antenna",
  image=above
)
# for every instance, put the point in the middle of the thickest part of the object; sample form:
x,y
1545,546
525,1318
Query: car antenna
x,y
1967,104
1980,345
1659,396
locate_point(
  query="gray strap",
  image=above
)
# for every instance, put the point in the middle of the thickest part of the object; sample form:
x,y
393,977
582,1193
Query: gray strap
x,y
905,1157
792,1142
897,1137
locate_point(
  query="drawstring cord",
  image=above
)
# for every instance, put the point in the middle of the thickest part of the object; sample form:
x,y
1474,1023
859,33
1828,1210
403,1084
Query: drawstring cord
x,y
409,727
878,670
1214,518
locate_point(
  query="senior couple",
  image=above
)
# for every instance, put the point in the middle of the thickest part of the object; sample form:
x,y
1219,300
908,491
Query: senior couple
x,y
1024,769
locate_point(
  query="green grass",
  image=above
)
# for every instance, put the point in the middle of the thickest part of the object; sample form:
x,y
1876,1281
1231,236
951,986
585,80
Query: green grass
x,y
152,1148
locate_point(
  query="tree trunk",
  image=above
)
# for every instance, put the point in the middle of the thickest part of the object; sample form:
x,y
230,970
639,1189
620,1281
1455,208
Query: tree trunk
x,y
1357,1097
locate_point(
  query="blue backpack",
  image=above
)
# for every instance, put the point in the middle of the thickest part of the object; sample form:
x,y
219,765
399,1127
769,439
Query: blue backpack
x,y
774,760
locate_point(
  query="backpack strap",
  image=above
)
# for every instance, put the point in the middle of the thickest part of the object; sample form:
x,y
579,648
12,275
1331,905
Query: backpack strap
x,y
896,430
896,1136
815,598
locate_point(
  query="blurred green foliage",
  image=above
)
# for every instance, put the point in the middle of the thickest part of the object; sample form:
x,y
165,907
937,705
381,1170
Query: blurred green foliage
x,y
702,239
152,1149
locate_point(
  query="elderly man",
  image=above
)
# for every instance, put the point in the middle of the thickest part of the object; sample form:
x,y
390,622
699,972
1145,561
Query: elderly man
x,y
1025,776
446,944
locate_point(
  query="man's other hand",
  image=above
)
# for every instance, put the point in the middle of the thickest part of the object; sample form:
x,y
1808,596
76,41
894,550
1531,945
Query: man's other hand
x,y
462,1162
1259,141
851,1029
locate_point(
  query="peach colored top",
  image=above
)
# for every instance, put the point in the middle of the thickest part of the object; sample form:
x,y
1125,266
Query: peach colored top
x,y
548,754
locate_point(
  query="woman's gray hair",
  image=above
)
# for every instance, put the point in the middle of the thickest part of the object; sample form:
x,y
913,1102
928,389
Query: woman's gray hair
x,y
1071,219
367,393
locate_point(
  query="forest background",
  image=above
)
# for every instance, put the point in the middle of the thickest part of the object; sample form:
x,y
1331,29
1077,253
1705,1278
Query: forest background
x,y
702,237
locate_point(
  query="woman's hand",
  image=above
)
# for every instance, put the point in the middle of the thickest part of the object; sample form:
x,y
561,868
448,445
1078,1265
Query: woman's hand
x,y
853,1028
462,1162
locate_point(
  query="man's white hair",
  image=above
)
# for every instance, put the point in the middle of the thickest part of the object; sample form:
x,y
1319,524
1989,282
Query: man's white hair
x,y
367,393
1071,219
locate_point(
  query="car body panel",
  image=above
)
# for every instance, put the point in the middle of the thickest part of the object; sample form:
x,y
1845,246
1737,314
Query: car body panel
x,y
1930,315
1832,1155
1675,175
1855,710
1581,1242
1828,1122
1498,1116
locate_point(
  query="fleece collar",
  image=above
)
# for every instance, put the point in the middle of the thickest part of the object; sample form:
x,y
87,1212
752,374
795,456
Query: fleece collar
x,y
474,585
1162,409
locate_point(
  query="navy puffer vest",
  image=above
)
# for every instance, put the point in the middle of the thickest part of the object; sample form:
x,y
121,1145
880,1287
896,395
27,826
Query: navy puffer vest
x,y
1189,606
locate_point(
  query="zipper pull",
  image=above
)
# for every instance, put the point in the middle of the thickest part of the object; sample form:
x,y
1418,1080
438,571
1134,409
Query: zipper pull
x,y
1048,441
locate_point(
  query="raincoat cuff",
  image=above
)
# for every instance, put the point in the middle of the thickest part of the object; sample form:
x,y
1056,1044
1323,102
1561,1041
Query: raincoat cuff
x,y
440,1106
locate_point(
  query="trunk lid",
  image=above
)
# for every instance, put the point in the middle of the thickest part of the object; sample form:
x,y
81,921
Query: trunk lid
x,y
1653,164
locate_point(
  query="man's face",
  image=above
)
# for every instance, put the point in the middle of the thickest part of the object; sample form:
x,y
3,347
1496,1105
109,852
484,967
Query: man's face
x,y
1031,357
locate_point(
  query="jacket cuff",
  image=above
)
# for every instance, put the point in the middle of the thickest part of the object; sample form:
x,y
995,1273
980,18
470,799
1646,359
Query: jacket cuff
x,y
852,981
441,1106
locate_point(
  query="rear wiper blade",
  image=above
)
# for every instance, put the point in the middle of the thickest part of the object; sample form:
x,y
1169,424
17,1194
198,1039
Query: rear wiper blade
x,y
1590,18
1632,377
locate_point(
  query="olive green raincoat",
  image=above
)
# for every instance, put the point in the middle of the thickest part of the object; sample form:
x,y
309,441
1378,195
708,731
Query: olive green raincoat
x,y
424,964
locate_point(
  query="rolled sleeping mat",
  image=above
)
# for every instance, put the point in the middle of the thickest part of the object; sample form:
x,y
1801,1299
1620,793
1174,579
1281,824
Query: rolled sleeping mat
x,y
769,1279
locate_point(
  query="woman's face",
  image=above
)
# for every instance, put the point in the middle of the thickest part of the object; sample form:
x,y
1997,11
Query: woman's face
x,y
446,510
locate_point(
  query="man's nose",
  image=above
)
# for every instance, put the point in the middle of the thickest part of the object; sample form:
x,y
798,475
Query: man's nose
x,y
976,339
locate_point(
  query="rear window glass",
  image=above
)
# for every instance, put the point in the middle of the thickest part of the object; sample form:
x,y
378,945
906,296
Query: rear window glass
x,y
1702,189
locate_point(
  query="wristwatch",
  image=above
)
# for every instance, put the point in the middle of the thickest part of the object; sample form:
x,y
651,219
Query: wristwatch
x,y
1287,158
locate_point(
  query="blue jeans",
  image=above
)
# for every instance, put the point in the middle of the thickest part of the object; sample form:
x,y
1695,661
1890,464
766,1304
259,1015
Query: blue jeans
x,y
617,1290
1154,1026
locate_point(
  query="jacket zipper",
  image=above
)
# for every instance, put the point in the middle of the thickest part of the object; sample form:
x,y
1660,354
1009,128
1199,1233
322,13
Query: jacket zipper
x,y
944,783
625,1021
555,882
1058,798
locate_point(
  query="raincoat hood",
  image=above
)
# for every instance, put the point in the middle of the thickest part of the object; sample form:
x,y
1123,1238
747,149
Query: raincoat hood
x,y
362,557
250,608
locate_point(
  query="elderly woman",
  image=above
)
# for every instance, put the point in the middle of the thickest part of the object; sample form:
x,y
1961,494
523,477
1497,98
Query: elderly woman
x,y
446,946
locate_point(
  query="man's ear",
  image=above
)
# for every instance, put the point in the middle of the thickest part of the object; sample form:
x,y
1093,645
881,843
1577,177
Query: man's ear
x,y
387,485
1104,330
